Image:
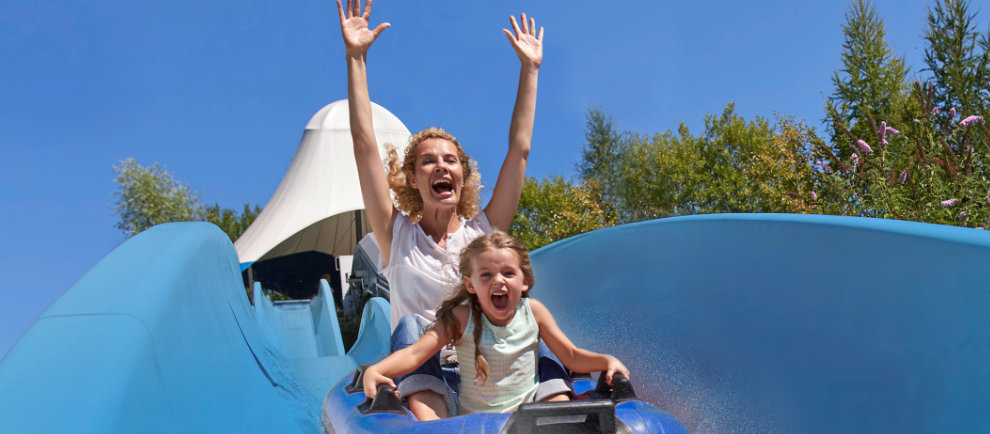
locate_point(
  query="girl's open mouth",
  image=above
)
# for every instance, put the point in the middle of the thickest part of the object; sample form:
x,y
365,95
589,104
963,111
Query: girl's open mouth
x,y
500,301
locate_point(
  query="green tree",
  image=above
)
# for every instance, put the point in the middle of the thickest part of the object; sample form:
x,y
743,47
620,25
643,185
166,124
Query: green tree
x,y
944,179
603,149
870,87
148,196
957,57
735,166
909,159
659,176
232,223
554,209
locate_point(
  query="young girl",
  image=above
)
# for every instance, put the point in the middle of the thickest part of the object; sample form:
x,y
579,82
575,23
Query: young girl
x,y
495,332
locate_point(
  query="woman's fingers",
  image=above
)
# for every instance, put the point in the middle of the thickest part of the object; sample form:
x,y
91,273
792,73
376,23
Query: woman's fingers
x,y
367,10
340,11
528,27
512,39
381,27
515,26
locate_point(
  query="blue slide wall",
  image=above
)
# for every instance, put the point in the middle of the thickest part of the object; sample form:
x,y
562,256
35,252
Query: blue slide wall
x,y
158,337
786,323
731,323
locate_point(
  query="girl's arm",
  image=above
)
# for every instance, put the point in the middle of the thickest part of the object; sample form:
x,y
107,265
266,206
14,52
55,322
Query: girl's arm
x,y
505,197
574,358
371,172
409,358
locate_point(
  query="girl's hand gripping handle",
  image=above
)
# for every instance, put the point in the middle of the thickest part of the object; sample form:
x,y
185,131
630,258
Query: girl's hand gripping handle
x,y
372,378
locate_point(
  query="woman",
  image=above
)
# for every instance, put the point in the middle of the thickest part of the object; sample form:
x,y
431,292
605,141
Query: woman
x,y
437,191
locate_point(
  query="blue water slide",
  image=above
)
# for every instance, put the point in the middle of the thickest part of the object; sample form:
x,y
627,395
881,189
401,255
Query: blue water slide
x,y
731,323
786,323
160,337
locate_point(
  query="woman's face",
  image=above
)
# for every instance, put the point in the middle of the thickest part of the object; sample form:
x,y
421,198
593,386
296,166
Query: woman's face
x,y
438,175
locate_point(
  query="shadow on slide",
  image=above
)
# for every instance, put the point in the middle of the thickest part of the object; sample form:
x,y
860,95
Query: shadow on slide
x,y
786,323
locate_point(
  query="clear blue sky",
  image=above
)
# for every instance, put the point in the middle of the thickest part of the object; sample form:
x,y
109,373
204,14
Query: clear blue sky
x,y
220,91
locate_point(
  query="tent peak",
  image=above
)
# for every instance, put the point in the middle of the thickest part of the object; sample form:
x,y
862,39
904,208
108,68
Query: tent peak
x,y
320,183
336,116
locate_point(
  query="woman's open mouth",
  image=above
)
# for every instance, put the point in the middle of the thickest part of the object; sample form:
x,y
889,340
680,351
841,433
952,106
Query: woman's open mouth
x,y
443,187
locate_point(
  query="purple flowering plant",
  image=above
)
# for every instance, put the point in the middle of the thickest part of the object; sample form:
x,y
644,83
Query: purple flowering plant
x,y
923,166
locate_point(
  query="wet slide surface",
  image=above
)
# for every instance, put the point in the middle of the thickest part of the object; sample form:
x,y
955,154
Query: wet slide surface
x,y
731,323
785,323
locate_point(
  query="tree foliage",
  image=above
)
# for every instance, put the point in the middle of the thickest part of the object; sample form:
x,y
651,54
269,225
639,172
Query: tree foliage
x,y
598,166
916,160
871,83
942,176
148,196
957,56
751,166
232,223
656,175
554,209
734,166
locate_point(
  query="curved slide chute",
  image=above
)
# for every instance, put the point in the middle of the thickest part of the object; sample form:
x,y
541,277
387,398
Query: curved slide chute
x,y
731,323
786,323
160,337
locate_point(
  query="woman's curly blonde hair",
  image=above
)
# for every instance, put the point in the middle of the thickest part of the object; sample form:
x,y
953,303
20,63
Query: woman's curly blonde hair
x,y
408,199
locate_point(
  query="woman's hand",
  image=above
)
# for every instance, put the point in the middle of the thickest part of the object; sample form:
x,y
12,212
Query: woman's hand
x,y
527,43
614,365
372,378
354,27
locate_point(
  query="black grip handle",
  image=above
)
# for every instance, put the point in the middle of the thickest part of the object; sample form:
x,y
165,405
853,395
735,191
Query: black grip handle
x,y
621,389
357,381
385,402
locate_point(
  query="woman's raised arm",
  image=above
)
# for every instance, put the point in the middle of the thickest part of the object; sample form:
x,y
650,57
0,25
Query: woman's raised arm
x,y
528,44
358,38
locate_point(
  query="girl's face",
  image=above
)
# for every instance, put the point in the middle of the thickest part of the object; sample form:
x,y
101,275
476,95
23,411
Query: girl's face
x,y
438,174
498,282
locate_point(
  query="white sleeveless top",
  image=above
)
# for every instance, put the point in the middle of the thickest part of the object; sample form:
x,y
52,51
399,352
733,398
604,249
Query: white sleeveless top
x,y
420,273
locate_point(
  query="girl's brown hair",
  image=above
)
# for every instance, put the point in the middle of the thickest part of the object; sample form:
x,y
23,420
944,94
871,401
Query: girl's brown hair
x,y
445,314
408,199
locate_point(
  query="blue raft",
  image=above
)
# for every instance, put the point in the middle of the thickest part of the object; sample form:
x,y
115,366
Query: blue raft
x,y
599,408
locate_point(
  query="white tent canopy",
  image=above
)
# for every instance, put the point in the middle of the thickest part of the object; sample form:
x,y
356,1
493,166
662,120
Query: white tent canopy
x,y
318,205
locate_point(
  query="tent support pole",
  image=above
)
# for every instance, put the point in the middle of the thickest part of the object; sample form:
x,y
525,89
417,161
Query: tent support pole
x,y
357,227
